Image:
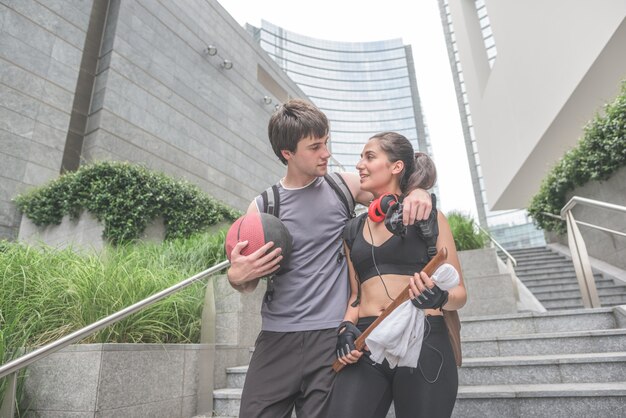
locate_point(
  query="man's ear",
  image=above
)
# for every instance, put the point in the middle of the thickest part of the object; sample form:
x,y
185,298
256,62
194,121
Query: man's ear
x,y
286,154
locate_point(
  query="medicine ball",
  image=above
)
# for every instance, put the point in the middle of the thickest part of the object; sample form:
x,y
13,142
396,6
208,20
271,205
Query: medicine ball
x,y
258,229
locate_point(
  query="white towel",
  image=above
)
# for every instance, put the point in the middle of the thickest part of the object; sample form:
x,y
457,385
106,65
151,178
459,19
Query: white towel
x,y
398,338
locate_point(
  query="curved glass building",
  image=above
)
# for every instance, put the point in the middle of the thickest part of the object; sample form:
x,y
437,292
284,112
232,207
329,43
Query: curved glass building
x,y
363,87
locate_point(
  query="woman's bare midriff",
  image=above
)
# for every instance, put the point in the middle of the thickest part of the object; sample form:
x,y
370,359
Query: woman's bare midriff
x,y
374,299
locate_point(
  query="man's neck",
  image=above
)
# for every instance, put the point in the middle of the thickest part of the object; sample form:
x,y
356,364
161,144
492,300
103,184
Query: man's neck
x,y
296,182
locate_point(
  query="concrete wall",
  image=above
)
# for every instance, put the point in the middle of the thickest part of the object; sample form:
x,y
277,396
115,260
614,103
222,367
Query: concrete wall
x,y
604,246
121,380
237,325
41,44
490,289
84,232
558,62
82,81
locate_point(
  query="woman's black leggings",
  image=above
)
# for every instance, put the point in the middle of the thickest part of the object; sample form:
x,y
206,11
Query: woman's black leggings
x,y
366,389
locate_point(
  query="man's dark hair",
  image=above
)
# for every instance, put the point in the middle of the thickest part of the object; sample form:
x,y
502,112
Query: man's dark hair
x,y
292,121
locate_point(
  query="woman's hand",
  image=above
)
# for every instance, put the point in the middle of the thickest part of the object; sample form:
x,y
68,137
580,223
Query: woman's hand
x,y
347,333
425,294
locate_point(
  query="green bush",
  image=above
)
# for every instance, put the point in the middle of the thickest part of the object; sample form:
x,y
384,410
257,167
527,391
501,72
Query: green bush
x,y
125,198
600,152
467,235
49,293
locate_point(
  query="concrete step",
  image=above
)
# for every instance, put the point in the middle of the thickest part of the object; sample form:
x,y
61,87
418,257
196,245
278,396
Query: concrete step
x,y
507,370
546,368
544,288
533,250
538,283
568,303
226,402
560,400
524,258
567,342
563,400
530,323
542,259
545,275
236,376
529,282
604,291
548,267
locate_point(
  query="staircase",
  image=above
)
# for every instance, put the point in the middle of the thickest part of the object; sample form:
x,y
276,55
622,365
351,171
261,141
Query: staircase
x,y
558,364
567,362
552,279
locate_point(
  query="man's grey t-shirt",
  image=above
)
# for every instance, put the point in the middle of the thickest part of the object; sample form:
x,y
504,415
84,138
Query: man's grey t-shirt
x,y
312,291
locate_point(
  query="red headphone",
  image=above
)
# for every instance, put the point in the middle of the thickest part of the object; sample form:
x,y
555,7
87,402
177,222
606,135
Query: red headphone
x,y
379,206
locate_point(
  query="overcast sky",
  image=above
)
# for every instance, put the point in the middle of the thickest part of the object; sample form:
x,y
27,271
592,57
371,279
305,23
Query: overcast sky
x,y
418,23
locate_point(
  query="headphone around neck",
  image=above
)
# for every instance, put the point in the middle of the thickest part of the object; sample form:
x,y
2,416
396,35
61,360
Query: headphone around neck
x,y
379,206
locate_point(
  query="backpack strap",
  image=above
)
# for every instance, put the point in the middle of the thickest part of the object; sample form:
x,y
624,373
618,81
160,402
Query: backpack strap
x,y
271,205
352,228
338,184
271,201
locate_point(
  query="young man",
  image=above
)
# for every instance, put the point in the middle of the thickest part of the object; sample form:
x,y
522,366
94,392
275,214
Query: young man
x,y
291,364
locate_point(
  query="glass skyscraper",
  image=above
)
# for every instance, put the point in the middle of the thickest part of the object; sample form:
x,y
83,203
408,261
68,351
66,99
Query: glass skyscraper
x,y
363,87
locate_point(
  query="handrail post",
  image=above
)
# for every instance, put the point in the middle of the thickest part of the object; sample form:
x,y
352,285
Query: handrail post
x,y
582,266
511,270
7,409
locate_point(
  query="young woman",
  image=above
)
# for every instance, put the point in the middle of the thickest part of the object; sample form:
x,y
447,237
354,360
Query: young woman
x,y
382,264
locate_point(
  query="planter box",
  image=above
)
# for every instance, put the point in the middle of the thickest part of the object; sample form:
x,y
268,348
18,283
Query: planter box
x,y
122,380
601,245
490,288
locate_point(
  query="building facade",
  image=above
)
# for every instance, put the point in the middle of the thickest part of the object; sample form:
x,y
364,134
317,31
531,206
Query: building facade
x,y
176,86
510,143
557,64
363,87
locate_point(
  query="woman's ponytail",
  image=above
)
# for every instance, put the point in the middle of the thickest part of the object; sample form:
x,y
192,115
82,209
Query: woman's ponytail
x,y
424,175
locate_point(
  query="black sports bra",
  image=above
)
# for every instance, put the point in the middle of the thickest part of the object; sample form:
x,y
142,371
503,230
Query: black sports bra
x,y
397,255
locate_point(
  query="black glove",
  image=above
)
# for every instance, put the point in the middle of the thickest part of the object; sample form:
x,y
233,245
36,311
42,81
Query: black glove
x,y
347,333
433,298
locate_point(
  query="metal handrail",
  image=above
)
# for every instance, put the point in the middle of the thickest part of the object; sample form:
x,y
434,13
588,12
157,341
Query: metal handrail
x,y
590,202
23,361
599,228
500,247
578,249
570,205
